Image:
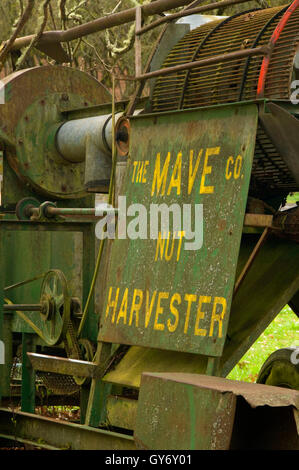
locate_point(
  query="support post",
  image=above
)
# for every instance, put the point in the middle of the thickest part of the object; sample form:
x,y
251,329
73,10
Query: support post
x,y
28,375
138,57
2,345
99,391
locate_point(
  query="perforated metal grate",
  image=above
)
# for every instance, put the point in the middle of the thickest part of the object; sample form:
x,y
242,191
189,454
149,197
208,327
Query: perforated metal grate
x,y
58,383
229,82
236,80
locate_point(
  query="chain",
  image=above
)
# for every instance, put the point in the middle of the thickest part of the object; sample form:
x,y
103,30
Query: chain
x,y
71,343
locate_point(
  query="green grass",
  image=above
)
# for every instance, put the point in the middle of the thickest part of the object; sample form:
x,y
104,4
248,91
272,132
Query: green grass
x,y
281,333
294,197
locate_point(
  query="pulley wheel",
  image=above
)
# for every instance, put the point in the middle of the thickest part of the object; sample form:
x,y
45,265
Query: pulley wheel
x,y
23,207
56,301
37,101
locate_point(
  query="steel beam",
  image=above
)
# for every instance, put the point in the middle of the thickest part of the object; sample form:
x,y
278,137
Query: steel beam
x,y
229,56
49,433
62,365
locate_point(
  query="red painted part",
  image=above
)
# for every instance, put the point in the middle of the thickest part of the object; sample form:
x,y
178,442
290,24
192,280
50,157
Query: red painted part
x,y
274,38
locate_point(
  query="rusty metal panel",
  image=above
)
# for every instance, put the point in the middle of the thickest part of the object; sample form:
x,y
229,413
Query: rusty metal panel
x,y
158,293
255,394
173,414
34,254
192,411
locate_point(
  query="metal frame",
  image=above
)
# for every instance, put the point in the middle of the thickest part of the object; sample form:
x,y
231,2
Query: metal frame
x,y
33,428
37,431
203,42
254,45
210,61
273,40
88,262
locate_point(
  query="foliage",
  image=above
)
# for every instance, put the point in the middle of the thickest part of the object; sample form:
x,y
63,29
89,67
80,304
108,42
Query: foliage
x,y
98,53
293,198
281,333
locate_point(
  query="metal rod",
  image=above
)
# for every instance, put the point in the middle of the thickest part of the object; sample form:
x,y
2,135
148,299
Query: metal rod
x,y
140,85
76,211
263,50
69,211
191,11
52,211
22,307
251,258
138,56
115,19
110,200
19,284
22,315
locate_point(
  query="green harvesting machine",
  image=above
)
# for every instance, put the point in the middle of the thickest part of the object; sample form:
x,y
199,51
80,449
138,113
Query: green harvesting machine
x,y
146,244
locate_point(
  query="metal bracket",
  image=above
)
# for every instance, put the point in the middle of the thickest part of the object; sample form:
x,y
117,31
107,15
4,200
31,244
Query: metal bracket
x,y
283,129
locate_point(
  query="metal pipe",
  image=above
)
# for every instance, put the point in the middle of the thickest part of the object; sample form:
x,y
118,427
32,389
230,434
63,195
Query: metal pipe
x,y
115,19
251,258
191,11
88,140
51,211
71,137
22,307
204,62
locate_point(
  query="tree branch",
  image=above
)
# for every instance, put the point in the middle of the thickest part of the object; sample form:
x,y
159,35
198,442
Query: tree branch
x,y
21,23
37,36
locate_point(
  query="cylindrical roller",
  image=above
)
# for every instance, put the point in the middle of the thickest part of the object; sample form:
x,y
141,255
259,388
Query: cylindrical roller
x,y
238,79
90,140
72,136
242,79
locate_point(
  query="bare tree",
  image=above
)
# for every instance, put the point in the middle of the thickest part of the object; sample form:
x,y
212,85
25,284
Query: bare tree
x,y
25,15
100,53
